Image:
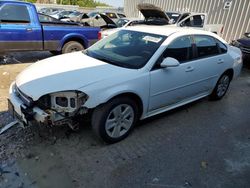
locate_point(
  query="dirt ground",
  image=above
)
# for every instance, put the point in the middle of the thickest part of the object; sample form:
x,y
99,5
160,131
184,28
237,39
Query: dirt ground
x,y
204,144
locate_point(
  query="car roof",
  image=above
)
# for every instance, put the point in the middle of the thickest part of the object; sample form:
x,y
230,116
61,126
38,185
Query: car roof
x,y
168,30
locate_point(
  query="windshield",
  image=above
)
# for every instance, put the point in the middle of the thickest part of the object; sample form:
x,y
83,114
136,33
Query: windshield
x,y
173,17
130,49
92,14
75,14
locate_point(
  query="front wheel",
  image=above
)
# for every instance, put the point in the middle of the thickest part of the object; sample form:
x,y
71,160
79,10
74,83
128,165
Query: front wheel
x,y
72,46
114,120
221,87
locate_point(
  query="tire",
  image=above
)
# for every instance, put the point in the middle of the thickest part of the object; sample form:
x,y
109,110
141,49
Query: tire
x,y
110,123
72,46
221,87
55,52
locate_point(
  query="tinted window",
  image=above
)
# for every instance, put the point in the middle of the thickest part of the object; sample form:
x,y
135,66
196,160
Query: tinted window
x,y
194,21
122,22
14,13
206,46
180,49
223,48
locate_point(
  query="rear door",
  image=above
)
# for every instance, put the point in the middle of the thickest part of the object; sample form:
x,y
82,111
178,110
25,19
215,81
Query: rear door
x,y
211,58
19,29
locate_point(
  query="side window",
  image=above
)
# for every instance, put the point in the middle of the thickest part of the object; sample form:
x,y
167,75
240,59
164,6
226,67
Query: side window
x,y
223,48
206,46
194,21
14,13
180,49
198,20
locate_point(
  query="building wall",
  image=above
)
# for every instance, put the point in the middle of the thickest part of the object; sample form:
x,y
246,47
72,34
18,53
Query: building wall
x,y
236,19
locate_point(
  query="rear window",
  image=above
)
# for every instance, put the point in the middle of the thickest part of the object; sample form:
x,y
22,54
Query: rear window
x,y
14,13
206,46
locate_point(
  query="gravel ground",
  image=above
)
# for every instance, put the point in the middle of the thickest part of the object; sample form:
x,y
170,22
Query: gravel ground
x,y
203,144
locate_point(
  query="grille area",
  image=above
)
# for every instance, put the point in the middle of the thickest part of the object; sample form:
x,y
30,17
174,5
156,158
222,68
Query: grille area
x,y
44,102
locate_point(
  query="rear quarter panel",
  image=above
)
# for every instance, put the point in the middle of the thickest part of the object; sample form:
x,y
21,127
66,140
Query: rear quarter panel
x,y
55,36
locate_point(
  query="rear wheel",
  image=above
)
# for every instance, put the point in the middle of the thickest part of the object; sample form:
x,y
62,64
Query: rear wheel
x,y
221,87
114,120
72,46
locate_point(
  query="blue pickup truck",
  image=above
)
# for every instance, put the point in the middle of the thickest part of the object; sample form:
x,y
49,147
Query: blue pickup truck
x,y
22,30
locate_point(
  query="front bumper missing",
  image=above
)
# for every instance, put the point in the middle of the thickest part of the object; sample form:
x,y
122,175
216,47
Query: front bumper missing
x,y
21,112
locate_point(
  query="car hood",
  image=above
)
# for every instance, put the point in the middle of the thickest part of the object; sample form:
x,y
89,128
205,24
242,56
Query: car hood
x,y
64,73
98,21
151,11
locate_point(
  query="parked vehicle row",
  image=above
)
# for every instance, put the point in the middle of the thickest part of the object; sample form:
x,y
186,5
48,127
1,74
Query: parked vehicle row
x,y
153,15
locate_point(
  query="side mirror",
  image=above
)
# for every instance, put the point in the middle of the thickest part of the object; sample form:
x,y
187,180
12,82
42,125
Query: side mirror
x,y
170,62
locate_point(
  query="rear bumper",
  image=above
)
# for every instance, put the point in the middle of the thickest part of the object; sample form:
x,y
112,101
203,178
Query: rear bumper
x,y
22,112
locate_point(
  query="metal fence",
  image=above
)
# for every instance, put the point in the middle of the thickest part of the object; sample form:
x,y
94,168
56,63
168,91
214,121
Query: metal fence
x,y
233,14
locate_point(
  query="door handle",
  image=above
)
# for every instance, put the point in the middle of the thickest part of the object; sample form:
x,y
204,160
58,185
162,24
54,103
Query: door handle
x,y
220,61
189,69
29,29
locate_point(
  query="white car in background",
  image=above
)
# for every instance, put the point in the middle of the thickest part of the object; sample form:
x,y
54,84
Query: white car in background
x,y
133,74
153,15
121,23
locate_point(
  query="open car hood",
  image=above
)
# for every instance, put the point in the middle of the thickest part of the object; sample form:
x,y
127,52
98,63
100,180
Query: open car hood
x,y
107,19
100,20
151,11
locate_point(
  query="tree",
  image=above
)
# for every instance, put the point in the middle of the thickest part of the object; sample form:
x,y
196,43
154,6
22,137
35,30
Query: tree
x,y
82,3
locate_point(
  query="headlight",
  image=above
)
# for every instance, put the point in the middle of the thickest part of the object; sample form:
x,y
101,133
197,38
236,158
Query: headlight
x,y
68,101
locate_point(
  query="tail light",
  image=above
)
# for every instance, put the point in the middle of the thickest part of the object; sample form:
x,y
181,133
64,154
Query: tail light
x,y
99,35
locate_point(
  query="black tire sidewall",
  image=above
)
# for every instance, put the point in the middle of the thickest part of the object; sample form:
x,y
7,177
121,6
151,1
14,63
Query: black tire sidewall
x,y
214,95
69,45
103,112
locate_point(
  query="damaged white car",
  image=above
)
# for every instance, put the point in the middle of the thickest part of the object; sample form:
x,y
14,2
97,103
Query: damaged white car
x,y
133,74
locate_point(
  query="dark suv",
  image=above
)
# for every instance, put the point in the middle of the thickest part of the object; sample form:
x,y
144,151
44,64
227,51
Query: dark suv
x,y
243,44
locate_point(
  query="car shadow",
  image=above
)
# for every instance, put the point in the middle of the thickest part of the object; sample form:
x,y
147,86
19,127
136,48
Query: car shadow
x,y
24,57
184,108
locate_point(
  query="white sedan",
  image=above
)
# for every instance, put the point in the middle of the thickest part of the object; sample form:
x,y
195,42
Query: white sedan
x,y
131,75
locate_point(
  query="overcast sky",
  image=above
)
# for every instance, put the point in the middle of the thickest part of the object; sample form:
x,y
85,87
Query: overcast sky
x,y
114,3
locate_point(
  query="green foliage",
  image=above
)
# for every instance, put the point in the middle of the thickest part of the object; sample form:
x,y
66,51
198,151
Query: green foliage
x,y
31,1
81,3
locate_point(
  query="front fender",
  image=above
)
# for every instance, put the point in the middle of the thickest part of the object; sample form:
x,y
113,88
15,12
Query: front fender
x,y
99,94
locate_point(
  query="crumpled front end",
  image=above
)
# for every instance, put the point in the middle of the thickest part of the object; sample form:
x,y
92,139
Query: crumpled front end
x,y
58,108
